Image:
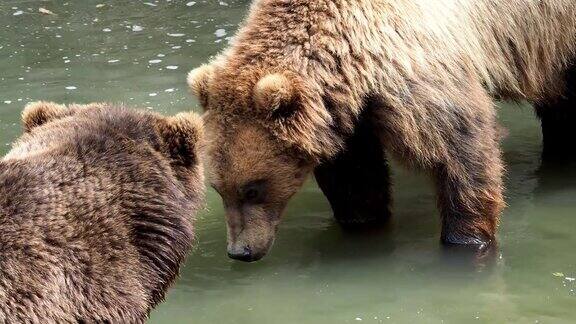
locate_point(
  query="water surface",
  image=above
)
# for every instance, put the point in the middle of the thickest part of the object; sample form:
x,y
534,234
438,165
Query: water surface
x,y
137,52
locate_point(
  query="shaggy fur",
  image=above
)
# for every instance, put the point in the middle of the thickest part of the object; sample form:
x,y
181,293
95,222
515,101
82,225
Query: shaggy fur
x,y
96,206
429,69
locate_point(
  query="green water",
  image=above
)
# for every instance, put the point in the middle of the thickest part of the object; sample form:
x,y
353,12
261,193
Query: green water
x,y
138,52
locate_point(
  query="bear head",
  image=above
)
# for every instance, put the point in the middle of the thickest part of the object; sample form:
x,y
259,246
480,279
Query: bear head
x,y
266,132
178,138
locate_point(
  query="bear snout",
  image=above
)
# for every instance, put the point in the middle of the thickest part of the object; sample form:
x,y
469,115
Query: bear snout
x,y
244,253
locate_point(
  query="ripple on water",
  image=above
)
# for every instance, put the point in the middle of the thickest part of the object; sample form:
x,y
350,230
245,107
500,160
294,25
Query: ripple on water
x,y
221,32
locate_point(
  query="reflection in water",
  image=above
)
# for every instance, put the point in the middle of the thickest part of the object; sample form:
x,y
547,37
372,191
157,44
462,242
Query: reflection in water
x,y
138,52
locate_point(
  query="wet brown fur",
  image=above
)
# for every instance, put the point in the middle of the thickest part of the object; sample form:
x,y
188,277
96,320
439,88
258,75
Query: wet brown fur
x,y
431,69
96,211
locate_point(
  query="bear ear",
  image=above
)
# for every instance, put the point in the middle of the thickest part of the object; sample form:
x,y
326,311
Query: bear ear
x,y
182,135
276,93
39,113
199,81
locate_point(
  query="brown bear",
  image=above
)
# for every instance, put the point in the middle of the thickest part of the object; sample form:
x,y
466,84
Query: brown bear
x,y
329,85
96,206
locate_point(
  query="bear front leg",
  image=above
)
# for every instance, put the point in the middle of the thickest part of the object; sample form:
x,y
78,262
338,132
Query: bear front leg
x,y
470,198
356,181
469,182
557,117
450,130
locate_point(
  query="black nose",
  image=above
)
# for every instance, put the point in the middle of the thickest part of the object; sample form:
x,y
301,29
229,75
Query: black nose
x,y
242,254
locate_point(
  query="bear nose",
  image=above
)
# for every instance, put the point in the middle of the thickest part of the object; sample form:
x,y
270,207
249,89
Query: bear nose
x,y
241,254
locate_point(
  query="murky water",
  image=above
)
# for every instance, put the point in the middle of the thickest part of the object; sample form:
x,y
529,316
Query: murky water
x,y
138,52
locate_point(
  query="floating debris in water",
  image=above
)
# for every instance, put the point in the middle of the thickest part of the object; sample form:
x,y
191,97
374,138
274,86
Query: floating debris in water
x,y
45,11
137,28
220,32
176,35
558,274
71,88
191,3
172,67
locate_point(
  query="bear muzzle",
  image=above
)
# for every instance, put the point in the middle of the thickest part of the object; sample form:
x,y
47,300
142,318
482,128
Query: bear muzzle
x,y
244,253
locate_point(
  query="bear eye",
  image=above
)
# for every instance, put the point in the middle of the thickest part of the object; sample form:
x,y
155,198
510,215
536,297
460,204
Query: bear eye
x,y
254,192
251,194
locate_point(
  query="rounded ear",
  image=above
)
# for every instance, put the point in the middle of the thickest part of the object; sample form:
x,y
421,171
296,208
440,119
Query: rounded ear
x,y
199,81
183,135
40,112
275,93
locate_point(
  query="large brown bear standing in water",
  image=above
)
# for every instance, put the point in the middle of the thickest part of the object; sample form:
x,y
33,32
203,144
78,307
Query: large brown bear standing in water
x,y
96,205
328,85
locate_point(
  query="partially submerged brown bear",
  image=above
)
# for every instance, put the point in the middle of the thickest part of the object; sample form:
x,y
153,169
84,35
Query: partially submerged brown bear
x,y
96,206
328,86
